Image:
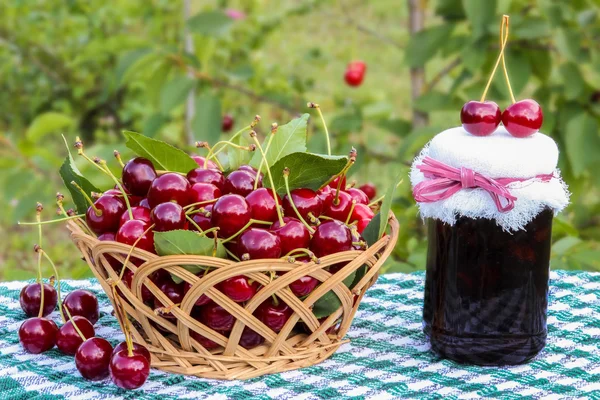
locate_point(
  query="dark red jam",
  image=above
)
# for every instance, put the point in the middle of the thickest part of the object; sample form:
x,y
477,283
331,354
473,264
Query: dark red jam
x,y
486,290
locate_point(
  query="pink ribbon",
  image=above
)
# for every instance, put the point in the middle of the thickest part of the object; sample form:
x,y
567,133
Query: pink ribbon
x,y
443,181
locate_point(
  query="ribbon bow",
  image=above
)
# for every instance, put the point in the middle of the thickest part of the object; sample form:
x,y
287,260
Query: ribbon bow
x,y
444,180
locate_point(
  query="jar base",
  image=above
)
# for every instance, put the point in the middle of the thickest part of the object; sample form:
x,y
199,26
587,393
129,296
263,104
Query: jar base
x,y
487,350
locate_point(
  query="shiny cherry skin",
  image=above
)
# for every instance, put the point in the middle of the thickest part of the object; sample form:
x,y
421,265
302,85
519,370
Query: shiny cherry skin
x,y
139,213
259,243
306,201
67,338
216,317
202,220
331,237
174,292
203,299
334,183
38,335
238,288
239,182
303,286
326,194
250,339
93,357
355,73
362,224
110,237
341,210
110,208
358,195
230,214
252,171
132,231
211,175
169,187
293,235
227,123
168,217
480,119
137,349
369,189
202,192
200,161
524,118
144,203
138,175
83,303
30,299
360,212
128,371
262,204
274,315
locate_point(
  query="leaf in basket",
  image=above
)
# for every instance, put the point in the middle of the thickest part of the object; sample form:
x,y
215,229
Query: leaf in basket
x,y
386,205
163,155
307,170
181,242
330,302
69,173
371,232
290,138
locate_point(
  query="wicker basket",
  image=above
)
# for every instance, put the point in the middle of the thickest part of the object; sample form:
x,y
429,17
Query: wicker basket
x,y
172,347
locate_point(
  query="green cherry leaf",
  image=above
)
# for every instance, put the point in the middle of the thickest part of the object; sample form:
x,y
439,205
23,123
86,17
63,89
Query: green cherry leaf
x,y
69,173
163,155
330,302
290,138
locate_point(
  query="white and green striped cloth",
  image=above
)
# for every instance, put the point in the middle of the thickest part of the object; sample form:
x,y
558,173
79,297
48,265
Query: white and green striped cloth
x,y
387,357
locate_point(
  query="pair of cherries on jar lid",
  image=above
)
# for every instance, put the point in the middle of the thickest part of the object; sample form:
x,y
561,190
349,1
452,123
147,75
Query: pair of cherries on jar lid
x,y
521,119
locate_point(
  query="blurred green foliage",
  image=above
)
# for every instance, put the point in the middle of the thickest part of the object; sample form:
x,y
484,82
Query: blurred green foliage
x,y
96,68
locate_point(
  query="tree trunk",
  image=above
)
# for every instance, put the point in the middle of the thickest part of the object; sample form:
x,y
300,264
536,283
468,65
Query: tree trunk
x,y
190,104
416,10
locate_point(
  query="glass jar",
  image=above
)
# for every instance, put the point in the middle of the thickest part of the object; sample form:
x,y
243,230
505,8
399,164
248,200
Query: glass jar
x,y
486,290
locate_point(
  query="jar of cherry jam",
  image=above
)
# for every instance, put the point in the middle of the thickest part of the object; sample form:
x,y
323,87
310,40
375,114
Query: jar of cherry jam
x,y
488,203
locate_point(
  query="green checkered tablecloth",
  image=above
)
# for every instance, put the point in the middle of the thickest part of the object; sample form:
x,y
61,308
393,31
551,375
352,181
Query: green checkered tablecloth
x,y
387,357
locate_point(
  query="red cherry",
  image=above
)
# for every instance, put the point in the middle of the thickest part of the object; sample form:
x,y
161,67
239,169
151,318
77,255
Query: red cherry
x,y
137,349
361,211
132,231
203,299
358,195
216,317
202,220
239,182
362,224
334,183
138,175
480,119
212,176
158,278
331,237
83,303
68,339
355,73
238,288
128,371
205,342
30,299
227,123
200,161
340,210
303,286
144,203
169,187
93,357
110,237
174,292
293,235
273,315
204,191
38,335
168,217
111,208
259,243
139,213
250,339
230,213
370,190
305,200
262,204
326,195
524,118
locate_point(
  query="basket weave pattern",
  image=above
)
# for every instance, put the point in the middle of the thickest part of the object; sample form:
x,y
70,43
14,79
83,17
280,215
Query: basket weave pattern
x,y
172,347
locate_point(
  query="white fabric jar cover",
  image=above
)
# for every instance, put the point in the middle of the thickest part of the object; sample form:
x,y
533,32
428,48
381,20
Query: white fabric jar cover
x,y
497,156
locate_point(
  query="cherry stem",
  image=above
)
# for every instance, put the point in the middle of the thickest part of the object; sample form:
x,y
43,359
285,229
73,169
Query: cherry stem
x,y
303,251
503,41
210,154
118,157
286,177
248,225
121,189
38,216
238,133
275,300
81,335
51,221
313,219
124,320
500,57
201,203
60,309
223,144
60,205
191,220
314,105
264,157
343,172
131,251
87,197
274,127
350,212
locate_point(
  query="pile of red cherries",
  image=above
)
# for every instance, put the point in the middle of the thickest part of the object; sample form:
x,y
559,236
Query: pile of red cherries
x,y
244,215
